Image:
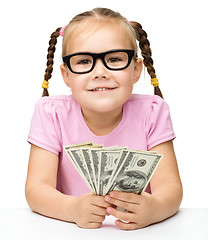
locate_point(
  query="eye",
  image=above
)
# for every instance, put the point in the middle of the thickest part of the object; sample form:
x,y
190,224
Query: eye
x,y
84,62
114,60
81,60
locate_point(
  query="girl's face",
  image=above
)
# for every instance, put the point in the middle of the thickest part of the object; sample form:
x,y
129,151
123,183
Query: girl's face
x,y
101,90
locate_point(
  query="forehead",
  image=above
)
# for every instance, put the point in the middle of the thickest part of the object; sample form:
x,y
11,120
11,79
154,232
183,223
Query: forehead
x,y
95,37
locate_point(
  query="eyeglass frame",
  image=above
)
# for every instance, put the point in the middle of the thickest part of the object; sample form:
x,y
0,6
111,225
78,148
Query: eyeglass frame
x,y
130,52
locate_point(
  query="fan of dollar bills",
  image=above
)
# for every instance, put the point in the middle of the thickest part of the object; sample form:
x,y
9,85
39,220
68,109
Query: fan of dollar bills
x,y
113,168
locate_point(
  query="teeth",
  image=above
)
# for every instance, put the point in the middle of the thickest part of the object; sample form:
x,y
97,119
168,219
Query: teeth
x,y
100,89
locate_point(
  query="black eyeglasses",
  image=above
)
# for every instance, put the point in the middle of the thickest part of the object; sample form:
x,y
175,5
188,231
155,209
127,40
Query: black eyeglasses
x,y
84,62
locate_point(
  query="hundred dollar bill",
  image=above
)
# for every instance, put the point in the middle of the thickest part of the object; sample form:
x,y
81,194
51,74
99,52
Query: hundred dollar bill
x,y
90,167
78,164
67,148
83,162
135,172
117,166
107,163
87,156
78,158
95,157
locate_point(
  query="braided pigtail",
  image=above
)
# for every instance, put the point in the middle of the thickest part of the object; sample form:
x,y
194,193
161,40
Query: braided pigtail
x,y
50,56
146,52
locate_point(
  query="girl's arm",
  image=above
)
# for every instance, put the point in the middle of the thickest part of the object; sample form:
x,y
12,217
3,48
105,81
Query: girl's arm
x,y
87,211
162,203
166,184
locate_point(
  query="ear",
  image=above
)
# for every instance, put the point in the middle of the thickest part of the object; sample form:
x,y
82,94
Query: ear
x,y
65,74
138,66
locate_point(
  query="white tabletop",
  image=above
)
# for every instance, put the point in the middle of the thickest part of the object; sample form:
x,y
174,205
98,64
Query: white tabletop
x,y
23,224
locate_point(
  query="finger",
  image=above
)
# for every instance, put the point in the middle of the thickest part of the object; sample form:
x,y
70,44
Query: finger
x,y
126,226
122,204
97,218
98,211
127,197
95,225
100,201
91,225
125,216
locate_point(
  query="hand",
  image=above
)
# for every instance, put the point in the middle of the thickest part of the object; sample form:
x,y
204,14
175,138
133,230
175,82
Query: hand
x,y
140,209
90,211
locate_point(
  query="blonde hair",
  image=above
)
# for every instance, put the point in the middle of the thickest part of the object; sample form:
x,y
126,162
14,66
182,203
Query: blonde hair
x,y
102,16
99,17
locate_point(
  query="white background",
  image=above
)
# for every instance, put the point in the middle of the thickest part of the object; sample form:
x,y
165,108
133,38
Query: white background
x,y
178,34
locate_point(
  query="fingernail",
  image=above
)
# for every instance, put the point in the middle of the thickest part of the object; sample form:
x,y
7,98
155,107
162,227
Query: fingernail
x,y
107,199
108,210
112,194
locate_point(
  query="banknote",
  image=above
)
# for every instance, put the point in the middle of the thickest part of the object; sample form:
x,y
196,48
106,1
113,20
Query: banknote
x,y
82,160
67,149
86,154
73,152
108,161
135,172
113,168
95,157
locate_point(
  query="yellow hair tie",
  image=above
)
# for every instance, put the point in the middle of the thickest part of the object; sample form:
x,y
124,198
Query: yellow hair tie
x,y
45,84
154,82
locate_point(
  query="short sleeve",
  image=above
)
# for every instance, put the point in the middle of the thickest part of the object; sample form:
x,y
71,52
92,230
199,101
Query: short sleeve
x,y
159,126
44,131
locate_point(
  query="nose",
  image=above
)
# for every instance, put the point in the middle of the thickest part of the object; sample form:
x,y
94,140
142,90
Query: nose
x,y
100,71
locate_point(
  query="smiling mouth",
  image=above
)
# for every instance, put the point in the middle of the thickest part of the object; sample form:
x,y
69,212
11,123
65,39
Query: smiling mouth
x,y
101,89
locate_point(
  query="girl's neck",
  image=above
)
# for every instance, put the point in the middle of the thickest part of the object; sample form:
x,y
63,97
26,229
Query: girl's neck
x,y
102,123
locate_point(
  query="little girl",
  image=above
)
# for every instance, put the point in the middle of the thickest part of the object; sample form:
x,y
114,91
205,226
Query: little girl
x,y
100,66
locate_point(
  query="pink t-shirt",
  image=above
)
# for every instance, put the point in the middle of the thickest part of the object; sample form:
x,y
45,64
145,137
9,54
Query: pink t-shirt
x,y
58,121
